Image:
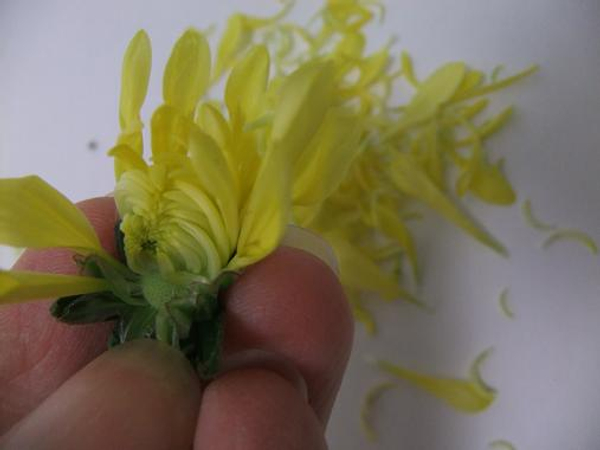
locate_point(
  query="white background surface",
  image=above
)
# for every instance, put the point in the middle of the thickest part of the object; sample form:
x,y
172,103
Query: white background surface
x,y
59,73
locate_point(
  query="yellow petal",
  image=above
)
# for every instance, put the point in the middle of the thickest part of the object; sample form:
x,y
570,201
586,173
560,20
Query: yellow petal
x,y
33,214
323,165
304,98
134,86
18,287
501,444
244,93
436,90
127,159
134,82
394,227
372,395
170,131
266,213
358,271
490,185
532,220
408,177
504,307
212,122
572,235
216,179
465,395
408,70
236,37
187,74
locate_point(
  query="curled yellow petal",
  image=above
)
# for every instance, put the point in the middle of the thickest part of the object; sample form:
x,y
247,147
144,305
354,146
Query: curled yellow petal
x,y
35,215
18,286
187,74
572,235
470,395
532,219
504,306
366,411
501,444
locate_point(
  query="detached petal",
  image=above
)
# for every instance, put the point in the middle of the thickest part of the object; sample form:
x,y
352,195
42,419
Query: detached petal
x,y
18,287
304,98
187,74
470,395
33,214
325,163
409,178
434,92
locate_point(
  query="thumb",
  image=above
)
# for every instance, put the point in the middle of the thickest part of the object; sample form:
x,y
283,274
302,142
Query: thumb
x,y
140,395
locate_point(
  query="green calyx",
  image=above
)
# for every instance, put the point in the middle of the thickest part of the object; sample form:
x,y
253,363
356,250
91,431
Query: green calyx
x,y
181,310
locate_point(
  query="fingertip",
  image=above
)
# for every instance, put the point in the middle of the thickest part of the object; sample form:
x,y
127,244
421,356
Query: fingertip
x,y
139,395
256,409
292,304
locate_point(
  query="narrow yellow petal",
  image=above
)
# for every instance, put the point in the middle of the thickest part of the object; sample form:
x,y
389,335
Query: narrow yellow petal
x,y
304,99
211,121
504,307
436,90
216,179
187,74
18,286
170,131
323,165
366,411
501,444
532,220
266,213
135,76
490,185
572,235
33,214
236,37
126,158
394,228
244,93
465,395
134,82
408,70
408,177
358,271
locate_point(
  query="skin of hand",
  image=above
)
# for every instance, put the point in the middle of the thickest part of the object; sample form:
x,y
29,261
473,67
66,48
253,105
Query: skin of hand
x,y
288,339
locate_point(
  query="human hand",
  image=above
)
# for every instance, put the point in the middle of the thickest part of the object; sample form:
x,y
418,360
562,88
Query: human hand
x,y
288,334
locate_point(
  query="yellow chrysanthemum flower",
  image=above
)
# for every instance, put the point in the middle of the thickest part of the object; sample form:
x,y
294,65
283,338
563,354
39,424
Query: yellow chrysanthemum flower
x,y
307,133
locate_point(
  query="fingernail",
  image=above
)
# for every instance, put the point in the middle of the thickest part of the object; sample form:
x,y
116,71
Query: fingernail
x,y
303,239
262,359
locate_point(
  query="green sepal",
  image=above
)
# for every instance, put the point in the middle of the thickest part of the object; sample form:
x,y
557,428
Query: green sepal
x,y
137,323
88,308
